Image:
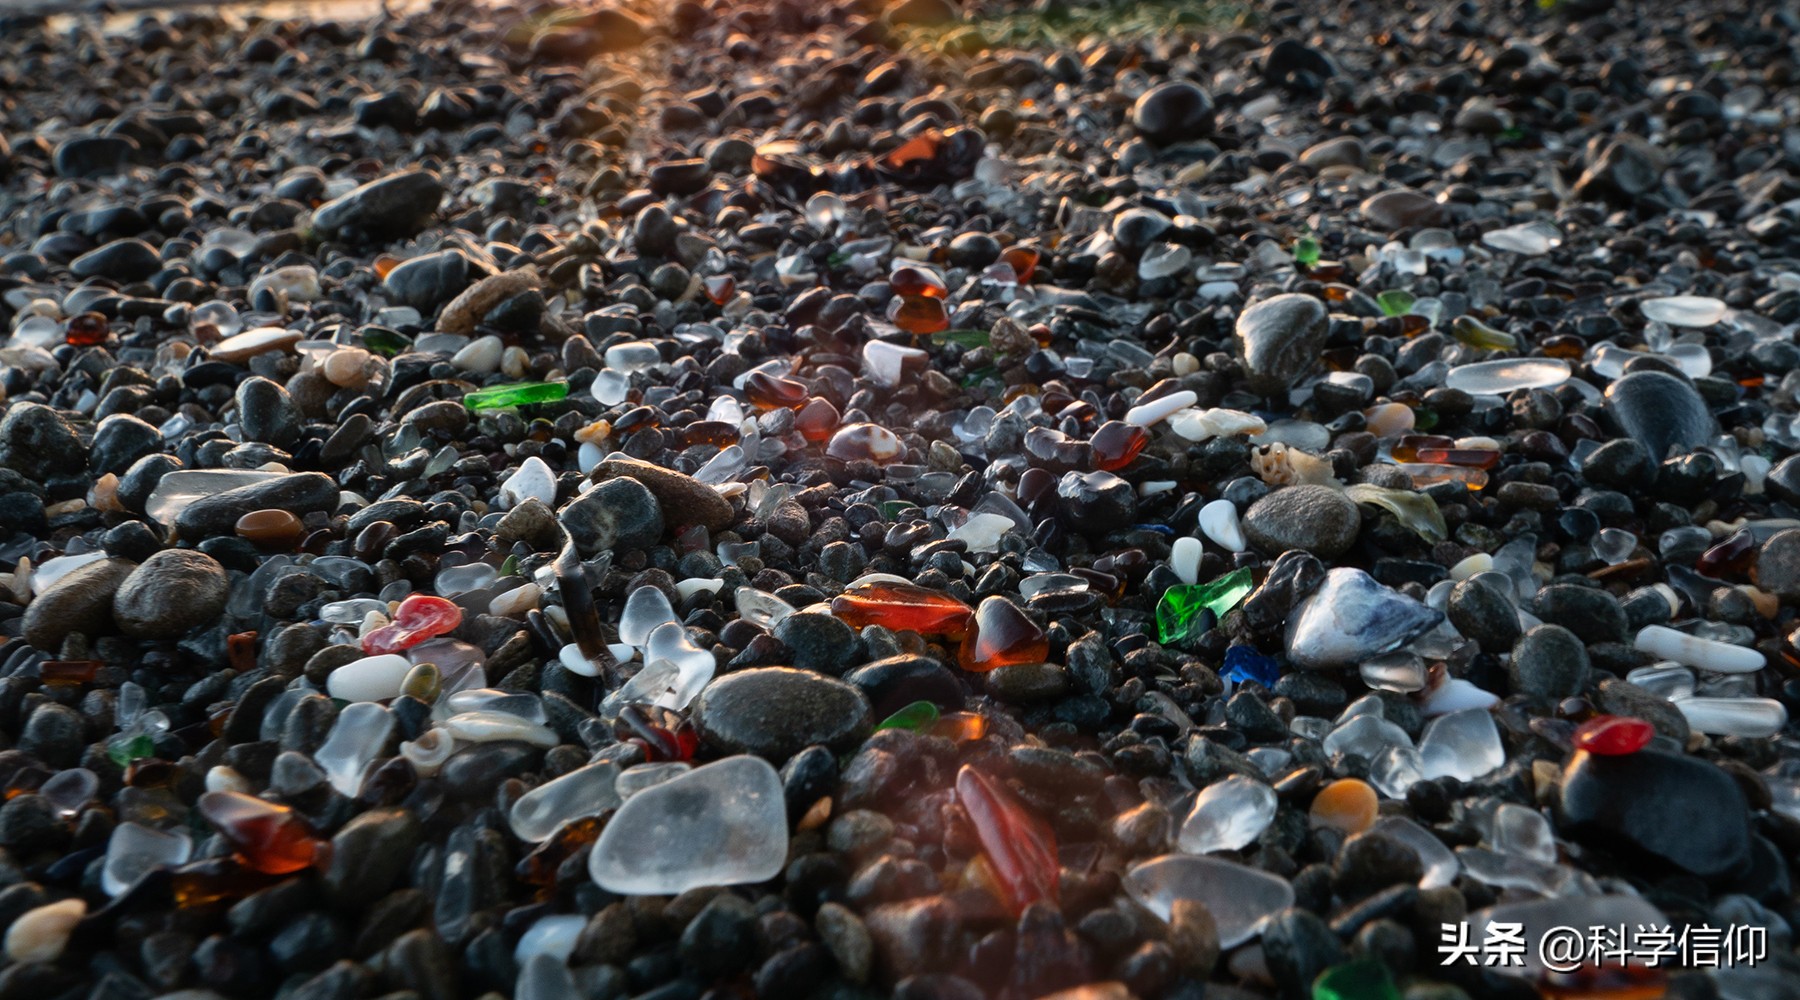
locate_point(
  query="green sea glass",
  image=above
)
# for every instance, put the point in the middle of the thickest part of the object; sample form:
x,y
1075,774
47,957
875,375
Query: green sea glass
x,y
517,394
1306,251
1178,614
1364,980
1395,302
124,749
917,716
1475,333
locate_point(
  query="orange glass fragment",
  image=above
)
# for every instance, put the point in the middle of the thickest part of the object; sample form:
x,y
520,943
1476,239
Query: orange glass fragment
x,y
719,288
773,392
901,606
1001,635
1023,261
1116,443
817,420
1020,848
269,838
918,314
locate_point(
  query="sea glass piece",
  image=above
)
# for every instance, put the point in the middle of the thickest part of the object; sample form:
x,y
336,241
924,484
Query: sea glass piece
x,y
646,608
1464,745
1228,815
135,850
1395,302
1116,443
270,529
1751,718
1364,979
1179,614
1306,251
1351,618
919,716
176,490
357,736
1416,511
1242,663
1238,897
635,779
1473,332
1366,736
1613,735
721,824
1529,239
585,791
545,977
1666,643
1684,310
1219,522
269,838
918,314
492,727
1505,375
517,394
1020,847
901,606
419,617
1523,833
1346,804
669,643
1001,635
865,442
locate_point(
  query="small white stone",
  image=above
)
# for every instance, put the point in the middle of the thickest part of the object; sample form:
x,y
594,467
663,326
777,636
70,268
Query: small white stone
x,y
372,678
695,585
1219,522
299,282
1184,559
41,934
1480,562
1751,718
982,531
220,778
1707,654
553,936
1151,413
533,479
517,602
490,727
481,356
576,662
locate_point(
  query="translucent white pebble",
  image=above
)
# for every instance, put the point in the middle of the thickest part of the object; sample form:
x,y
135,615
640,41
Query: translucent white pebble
x,y
633,356
635,779
553,936
1523,832
761,607
359,733
611,386
586,791
1684,310
1184,558
372,678
721,824
489,727
1438,861
533,479
220,778
646,608
1228,815
1464,745
1219,522
544,977
576,662
429,752
1747,717
1155,411
1238,896
135,850
1707,654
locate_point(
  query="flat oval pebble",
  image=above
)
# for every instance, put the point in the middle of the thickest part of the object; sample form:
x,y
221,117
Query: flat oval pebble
x,y
1504,375
775,712
369,678
721,824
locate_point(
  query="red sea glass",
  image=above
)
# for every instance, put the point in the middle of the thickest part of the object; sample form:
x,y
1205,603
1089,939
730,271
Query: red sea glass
x,y
1001,635
270,839
1408,447
419,617
1116,443
1020,848
902,606
720,288
1613,735
1732,556
1474,458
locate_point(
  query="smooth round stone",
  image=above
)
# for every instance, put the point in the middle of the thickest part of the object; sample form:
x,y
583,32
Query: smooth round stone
x,y
617,514
1658,810
1318,519
481,356
1778,564
1501,376
169,593
534,479
1684,310
244,346
1219,522
775,712
41,934
895,682
1591,613
1548,661
1662,411
372,678
80,602
1483,614
1173,112
1282,337
391,207
1402,209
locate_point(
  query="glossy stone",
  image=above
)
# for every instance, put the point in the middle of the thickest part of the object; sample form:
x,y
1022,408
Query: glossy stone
x,y
775,712
1282,337
902,606
1656,809
1613,735
1661,411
